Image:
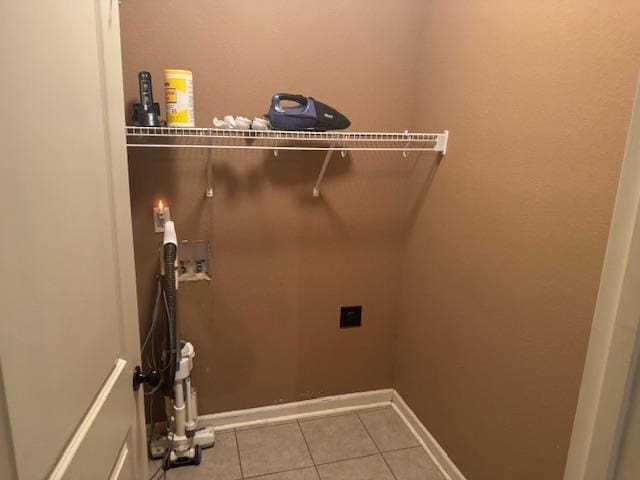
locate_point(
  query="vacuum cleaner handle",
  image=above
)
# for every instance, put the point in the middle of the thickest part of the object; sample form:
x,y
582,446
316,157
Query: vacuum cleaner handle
x,y
146,113
146,91
300,99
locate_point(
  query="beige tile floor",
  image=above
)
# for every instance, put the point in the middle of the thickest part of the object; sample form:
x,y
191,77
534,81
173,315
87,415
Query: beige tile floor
x,y
364,445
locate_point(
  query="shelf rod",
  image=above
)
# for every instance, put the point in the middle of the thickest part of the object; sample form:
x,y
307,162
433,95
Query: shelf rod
x,y
327,159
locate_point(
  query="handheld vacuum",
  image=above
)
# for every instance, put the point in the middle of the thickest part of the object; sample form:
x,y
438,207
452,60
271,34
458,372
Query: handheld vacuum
x,y
307,113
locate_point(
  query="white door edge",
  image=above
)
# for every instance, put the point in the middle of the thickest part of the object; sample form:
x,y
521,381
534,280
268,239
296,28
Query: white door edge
x,y
612,344
122,457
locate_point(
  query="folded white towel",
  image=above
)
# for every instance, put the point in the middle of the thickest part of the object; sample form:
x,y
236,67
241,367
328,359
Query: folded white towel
x,y
260,124
241,123
220,123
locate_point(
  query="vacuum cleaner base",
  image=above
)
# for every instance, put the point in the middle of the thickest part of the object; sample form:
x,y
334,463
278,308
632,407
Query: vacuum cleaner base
x,y
203,438
194,457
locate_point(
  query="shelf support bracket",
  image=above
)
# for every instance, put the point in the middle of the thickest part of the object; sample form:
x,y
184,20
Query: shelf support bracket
x,y
208,192
406,145
323,170
441,143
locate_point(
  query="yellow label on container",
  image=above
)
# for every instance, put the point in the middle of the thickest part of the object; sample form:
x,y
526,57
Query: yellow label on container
x,y
170,95
180,117
178,94
176,83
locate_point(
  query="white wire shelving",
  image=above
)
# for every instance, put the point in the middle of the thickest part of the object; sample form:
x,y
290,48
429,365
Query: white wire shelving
x,y
276,140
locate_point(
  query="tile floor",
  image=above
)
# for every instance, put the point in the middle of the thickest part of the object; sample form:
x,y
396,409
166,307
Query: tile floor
x,y
365,445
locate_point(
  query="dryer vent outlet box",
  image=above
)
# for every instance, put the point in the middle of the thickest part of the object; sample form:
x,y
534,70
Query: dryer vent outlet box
x,y
351,316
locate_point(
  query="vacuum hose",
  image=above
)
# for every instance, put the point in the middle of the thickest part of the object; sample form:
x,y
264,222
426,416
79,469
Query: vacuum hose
x,y
170,252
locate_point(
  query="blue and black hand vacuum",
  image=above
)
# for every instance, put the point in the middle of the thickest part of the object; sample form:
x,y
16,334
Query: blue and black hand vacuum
x,y
308,114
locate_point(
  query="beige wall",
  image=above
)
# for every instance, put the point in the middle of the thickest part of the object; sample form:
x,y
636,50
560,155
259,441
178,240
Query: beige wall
x,y
498,253
266,328
503,259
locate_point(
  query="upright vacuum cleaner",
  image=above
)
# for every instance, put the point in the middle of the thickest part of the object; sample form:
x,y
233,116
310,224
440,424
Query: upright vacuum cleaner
x,y
181,442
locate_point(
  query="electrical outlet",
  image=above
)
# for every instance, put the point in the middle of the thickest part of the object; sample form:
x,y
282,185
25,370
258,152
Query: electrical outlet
x,y
351,316
161,215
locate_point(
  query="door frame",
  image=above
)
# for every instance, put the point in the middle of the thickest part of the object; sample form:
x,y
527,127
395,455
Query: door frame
x,y
614,345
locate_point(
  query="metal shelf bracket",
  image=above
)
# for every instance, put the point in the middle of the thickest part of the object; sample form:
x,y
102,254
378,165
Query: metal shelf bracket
x,y
208,192
406,145
441,142
323,170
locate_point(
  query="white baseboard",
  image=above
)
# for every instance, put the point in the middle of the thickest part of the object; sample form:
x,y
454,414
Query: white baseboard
x,y
448,469
295,410
334,405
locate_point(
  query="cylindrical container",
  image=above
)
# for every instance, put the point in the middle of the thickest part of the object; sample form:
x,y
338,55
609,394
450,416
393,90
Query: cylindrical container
x,y
178,95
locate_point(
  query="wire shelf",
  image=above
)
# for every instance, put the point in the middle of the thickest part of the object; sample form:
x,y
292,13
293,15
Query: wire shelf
x,y
175,137
214,138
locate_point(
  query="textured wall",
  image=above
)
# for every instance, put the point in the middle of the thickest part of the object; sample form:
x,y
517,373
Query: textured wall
x,y
266,328
498,250
504,255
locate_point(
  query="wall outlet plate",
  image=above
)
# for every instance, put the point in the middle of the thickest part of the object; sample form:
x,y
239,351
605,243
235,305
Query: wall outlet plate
x,y
351,316
159,218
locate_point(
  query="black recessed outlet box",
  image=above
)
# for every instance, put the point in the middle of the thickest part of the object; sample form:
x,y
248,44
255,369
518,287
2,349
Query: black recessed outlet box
x,y
351,316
